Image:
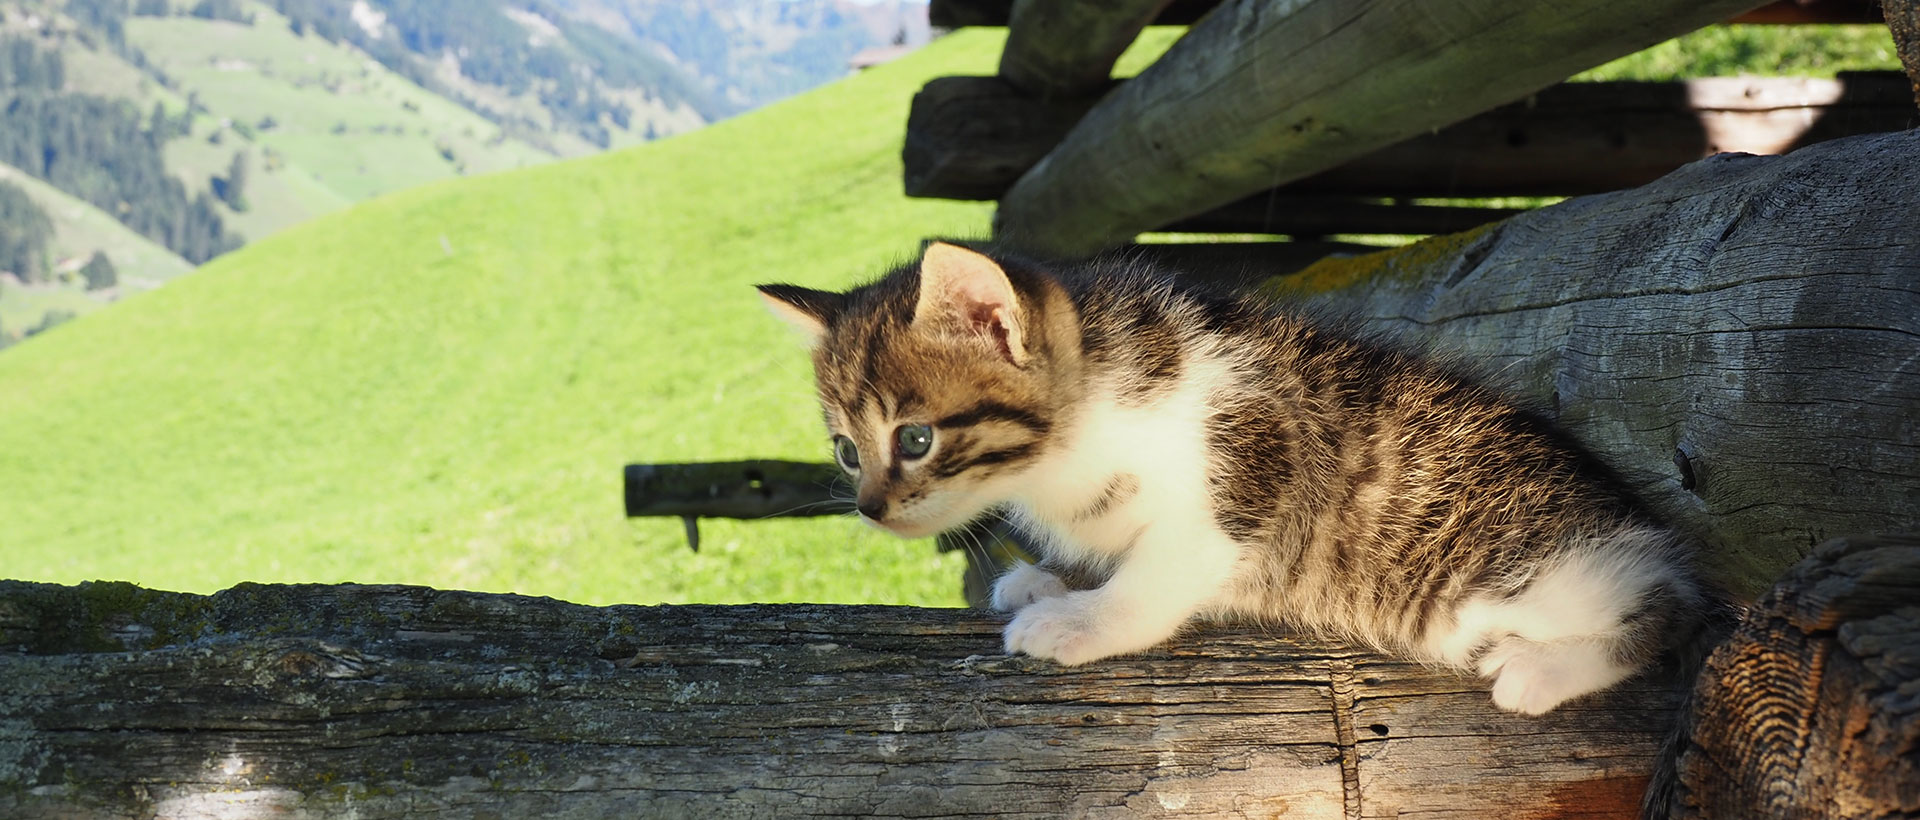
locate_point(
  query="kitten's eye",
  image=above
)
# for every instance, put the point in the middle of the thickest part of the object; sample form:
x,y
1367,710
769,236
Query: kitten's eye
x,y
915,439
847,452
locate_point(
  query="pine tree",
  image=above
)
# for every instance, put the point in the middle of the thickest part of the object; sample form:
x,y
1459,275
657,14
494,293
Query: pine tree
x,y
233,187
99,272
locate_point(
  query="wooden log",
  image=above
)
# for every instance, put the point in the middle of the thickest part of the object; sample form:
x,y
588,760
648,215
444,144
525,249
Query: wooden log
x,y
375,702
1812,700
962,13
1257,95
1065,49
972,137
1312,216
1740,340
1903,21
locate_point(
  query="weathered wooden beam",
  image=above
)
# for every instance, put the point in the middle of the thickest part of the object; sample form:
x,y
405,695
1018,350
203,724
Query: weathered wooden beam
x,y
762,488
1321,216
962,13
376,702
1065,49
1258,94
1740,339
972,137
1812,698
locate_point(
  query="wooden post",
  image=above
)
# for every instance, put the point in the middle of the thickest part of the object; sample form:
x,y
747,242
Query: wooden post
x,y
1811,701
1260,94
1903,20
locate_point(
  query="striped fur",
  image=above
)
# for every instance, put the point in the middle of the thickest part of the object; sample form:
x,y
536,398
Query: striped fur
x,y
1211,457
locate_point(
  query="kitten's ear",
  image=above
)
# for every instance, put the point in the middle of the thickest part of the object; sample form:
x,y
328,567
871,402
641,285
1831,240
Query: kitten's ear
x,y
807,310
965,289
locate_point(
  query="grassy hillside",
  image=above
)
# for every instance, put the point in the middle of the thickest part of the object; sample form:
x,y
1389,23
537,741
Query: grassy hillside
x,y
440,386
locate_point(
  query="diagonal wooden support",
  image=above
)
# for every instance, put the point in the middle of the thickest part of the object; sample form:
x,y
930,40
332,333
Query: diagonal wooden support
x,y
1262,93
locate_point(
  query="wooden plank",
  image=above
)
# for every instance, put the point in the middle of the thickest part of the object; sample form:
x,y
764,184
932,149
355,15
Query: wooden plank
x,y
376,702
962,13
1739,340
971,137
1813,696
1065,49
1257,95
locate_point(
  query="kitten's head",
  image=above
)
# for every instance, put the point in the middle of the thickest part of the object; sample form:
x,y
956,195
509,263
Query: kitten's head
x,y
940,382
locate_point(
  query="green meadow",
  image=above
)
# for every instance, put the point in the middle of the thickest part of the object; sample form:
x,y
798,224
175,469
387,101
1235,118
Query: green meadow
x,y
440,386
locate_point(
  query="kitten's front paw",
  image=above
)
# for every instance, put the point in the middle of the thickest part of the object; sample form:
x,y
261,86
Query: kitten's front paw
x,y
1534,682
1072,629
1023,585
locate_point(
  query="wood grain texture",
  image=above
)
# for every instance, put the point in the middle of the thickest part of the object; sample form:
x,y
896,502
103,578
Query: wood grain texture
x,y
1066,48
1741,339
1258,94
1813,699
371,702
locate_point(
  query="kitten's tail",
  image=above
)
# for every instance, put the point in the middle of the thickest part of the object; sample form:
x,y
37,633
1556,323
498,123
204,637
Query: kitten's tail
x,y
1687,662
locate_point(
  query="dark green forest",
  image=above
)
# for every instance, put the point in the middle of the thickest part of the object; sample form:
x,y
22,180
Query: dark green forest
x,y
101,151
567,75
24,229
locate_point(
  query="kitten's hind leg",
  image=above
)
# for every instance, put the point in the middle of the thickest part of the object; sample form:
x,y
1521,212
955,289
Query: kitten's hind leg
x,y
1533,678
1023,585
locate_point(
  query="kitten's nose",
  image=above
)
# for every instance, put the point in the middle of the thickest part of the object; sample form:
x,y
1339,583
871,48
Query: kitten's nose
x,y
875,509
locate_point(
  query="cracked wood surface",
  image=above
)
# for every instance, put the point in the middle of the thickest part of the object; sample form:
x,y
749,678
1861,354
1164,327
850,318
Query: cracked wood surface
x,y
334,701
1740,339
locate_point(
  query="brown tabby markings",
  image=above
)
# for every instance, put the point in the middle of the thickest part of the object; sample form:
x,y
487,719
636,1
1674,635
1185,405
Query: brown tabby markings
x,y
1117,491
1368,493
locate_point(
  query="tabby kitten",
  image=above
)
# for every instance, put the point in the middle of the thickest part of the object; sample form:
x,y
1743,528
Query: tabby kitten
x,y
1212,457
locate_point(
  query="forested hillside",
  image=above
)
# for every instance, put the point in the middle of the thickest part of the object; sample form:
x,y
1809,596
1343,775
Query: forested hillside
x,y
198,125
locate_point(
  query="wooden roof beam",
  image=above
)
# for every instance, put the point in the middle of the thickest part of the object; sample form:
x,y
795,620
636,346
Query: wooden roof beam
x,y
963,13
1064,49
1260,94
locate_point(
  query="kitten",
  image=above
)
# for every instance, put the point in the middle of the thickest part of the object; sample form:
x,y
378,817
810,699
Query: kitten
x,y
1212,457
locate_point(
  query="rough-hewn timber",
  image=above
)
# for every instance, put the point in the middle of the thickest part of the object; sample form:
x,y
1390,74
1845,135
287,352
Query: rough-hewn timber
x,y
372,702
1812,700
971,137
1261,94
1741,339
1065,49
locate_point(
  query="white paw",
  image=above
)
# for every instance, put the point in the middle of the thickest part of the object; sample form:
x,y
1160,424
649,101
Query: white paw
x,y
1023,585
1534,682
1072,629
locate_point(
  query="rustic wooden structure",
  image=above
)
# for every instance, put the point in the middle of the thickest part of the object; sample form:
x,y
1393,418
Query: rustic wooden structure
x,y
1274,118
371,702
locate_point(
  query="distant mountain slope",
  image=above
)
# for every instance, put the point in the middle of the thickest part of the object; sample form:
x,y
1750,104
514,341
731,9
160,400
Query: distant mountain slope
x,y
751,52
439,386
